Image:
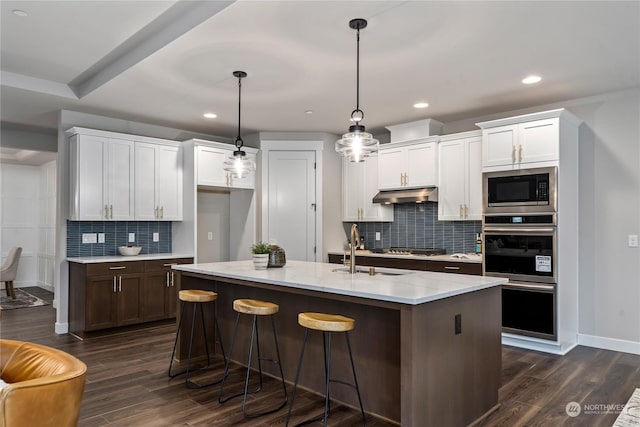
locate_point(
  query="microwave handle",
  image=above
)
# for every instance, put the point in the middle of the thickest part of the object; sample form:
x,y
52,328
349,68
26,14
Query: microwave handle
x,y
528,286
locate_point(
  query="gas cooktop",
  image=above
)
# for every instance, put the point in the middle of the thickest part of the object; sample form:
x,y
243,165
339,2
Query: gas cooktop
x,y
409,251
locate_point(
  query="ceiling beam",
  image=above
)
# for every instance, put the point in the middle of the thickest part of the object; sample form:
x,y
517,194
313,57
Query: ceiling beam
x,y
173,23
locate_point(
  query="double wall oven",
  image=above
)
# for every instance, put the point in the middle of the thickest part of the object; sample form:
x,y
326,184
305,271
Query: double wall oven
x,y
520,232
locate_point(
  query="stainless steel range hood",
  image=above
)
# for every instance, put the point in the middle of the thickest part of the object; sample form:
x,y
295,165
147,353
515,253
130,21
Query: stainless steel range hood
x,y
416,195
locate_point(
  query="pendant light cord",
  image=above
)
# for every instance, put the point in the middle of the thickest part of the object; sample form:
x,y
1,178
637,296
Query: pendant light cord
x,y
239,141
358,70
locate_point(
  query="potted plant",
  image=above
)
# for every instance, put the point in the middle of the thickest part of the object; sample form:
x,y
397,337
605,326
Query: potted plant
x,y
260,253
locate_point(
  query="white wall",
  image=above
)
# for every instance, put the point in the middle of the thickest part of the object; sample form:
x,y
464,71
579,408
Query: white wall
x,y
213,217
609,210
19,216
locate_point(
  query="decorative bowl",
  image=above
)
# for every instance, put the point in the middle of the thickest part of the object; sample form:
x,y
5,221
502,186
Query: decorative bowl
x,y
129,250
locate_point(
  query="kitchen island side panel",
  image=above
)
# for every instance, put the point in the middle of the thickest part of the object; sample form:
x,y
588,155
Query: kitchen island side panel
x,y
451,375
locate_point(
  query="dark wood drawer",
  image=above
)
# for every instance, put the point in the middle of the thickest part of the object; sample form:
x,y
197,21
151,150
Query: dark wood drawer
x,y
107,268
165,264
455,267
370,261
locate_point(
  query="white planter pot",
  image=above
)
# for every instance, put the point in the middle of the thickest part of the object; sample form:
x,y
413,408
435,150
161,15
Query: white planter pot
x,y
260,261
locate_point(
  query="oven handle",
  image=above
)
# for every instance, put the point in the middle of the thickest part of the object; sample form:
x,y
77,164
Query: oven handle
x,y
538,287
519,230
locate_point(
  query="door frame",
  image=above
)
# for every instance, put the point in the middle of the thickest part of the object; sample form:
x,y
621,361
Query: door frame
x,y
292,145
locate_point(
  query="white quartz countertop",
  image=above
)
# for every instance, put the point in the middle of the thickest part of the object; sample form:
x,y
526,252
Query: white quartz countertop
x,y
471,258
410,287
122,258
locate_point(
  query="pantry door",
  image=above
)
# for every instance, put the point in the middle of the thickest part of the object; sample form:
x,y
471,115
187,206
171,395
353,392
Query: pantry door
x,y
292,205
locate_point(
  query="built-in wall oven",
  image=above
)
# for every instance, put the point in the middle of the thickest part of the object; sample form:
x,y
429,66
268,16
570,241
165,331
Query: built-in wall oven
x,y
520,243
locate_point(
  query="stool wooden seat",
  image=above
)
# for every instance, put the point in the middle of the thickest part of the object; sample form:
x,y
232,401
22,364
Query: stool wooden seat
x,y
254,306
326,322
196,295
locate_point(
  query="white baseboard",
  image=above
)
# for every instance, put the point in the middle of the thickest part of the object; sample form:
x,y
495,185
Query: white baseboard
x,y
613,344
537,344
62,328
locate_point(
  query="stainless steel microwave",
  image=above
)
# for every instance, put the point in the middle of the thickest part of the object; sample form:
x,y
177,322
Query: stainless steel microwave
x,y
520,191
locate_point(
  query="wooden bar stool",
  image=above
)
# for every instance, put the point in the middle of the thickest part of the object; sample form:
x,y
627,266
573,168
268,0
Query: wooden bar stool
x,y
199,298
327,323
255,308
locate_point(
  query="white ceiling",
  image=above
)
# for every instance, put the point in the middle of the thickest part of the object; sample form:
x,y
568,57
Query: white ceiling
x,y
167,63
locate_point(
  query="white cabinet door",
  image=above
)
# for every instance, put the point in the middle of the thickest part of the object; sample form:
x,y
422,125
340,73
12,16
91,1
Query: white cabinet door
x,y
474,180
499,146
169,182
211,166
120,179
452,182
539,141
352,189
87,167
392,164
359,186
422,165
158,183
460,182
145,182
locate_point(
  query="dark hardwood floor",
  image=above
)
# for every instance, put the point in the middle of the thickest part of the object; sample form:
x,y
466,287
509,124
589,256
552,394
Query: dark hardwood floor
x,y
127,383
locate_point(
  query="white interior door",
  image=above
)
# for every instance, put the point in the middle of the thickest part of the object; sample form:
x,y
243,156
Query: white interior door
x,y
292,203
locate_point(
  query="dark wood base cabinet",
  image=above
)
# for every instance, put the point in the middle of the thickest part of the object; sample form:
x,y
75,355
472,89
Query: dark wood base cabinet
x,y
413,264
111,294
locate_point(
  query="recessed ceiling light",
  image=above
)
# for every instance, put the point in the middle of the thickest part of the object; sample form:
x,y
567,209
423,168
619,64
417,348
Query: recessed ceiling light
x,y
420,105
529,80
308,112
19,12
210,115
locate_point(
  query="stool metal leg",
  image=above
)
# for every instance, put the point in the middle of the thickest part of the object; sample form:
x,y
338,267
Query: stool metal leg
x,y
175,343
326,341
295,382
275,340
355,380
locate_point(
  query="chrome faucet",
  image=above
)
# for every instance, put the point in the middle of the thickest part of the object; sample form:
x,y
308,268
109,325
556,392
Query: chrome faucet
x,y
354,240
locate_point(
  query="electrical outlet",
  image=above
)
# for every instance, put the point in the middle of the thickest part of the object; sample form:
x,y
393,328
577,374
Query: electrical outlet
x,y
210,235
633,240
132,237
458,324
89,238
156,237
377,236
100,237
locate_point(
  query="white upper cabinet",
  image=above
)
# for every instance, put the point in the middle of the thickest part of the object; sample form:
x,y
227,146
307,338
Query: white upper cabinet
x,y
359,186
158,181
122,177
528,141
408,164
460,179
101,178
210,162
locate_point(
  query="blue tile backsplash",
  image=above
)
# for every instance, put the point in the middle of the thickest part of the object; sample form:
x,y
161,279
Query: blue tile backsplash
x,y
117,234
417,226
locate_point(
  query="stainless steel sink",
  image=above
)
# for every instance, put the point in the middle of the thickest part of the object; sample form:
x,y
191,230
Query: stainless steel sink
x,y
375,272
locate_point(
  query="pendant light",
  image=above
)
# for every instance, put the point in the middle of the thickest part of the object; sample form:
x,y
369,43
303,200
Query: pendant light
x,y
356,145
239,165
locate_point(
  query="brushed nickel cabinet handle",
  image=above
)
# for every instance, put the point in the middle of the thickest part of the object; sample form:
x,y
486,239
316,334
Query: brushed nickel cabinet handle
x,y
466,211
520,153
120,267
461,215
106,211
119,283
169,264
161,212
114,284
167,282
513,154
172,276
447,267
110,211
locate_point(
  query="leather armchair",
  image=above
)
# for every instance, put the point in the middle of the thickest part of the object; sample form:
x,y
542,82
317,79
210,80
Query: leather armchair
x,y
44,386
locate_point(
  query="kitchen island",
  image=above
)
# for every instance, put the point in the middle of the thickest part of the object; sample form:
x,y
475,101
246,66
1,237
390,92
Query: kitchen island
x,y
426,345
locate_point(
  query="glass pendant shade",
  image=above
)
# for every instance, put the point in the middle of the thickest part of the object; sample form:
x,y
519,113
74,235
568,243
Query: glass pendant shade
x,y
356,145
239,164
